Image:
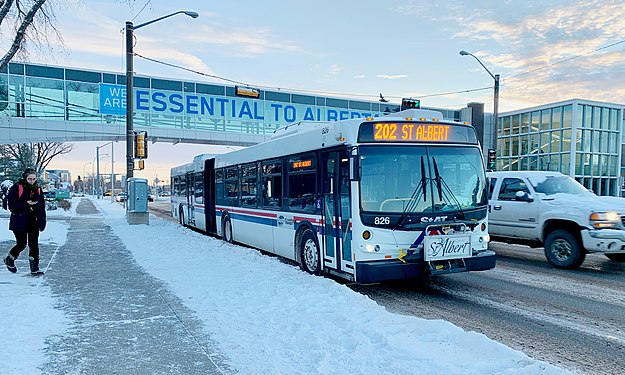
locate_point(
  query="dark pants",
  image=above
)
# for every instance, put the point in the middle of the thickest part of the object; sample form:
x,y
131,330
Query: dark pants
x,y
32,236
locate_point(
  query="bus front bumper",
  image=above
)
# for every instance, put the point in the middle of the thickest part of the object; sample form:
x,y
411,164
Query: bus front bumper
x,y
394,269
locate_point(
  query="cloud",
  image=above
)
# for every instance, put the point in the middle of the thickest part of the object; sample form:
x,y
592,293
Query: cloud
x,y
396,76
546,52
334,70
245,44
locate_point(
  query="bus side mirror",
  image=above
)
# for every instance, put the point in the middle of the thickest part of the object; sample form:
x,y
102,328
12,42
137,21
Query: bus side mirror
x,y
354,167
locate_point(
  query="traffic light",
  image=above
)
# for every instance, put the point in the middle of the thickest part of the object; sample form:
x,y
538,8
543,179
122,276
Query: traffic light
x,y
141,165
492,158
141,145
407,103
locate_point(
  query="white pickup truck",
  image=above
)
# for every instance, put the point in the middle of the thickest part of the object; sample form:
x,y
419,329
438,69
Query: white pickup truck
x,y
553,210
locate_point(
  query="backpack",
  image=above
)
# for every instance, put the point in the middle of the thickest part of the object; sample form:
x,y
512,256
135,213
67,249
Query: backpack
x,y
20,190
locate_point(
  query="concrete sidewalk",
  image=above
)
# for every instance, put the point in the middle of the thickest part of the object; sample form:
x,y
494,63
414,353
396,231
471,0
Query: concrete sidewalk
x,y
124,321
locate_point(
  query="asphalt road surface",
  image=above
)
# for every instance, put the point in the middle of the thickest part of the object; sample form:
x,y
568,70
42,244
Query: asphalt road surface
x,y
574,319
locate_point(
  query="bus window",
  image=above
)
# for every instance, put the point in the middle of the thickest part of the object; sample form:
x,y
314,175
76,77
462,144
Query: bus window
x,y
248,185
199,189
302,183
232,186
272,184
219,186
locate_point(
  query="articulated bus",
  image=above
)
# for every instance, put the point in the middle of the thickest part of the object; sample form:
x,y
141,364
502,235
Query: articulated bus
x,y
369,199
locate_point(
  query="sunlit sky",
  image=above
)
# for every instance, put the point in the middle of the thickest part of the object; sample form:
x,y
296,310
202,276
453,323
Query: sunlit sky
x,y
545,51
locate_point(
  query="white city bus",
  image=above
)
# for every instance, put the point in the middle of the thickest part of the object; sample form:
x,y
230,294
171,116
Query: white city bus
x,y
367,199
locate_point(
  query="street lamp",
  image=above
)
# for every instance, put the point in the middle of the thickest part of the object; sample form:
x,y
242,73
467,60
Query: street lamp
x,y
496,99
129,85
97,158
84,172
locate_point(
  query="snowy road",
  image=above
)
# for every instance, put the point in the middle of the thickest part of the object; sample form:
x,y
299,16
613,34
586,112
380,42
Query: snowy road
x,y
572,319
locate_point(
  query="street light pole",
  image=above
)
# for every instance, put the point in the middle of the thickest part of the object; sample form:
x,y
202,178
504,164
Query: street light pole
x,y
130,164
495,100
130,89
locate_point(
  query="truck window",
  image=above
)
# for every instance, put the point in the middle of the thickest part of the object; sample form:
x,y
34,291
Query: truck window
x,y
491,186
509,187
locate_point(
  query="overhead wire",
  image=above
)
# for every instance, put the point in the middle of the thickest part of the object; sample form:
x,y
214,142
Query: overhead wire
x,y
505,80
296,90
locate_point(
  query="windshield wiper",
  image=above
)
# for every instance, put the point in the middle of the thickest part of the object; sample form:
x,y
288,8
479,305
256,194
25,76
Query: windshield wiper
x,y
450,193
416,195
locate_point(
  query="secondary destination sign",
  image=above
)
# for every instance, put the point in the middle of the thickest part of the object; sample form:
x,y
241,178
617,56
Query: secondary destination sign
x,y
416,132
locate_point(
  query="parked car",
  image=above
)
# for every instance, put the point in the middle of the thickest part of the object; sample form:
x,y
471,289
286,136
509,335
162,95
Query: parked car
x,y
553,210
151,197
121,196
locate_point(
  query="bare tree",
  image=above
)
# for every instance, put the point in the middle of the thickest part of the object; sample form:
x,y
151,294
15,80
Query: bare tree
x,y
29,23
32,155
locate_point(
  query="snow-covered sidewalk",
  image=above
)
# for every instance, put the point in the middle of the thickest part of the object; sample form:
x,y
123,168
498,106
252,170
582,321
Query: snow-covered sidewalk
x,y
265,316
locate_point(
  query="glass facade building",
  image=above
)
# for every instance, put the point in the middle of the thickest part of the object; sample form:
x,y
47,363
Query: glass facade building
x,y
580,138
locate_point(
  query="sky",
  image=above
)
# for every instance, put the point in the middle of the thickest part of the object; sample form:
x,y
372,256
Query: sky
x,y
544,51
271,300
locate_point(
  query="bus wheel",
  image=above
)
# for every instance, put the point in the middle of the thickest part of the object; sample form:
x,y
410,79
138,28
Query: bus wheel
x,y
226,230
309,253
563,250
181,217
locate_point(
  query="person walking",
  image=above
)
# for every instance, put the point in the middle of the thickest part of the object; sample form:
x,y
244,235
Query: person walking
x,y
28,218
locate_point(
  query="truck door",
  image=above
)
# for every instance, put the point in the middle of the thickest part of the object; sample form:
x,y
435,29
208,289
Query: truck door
x,y
511,216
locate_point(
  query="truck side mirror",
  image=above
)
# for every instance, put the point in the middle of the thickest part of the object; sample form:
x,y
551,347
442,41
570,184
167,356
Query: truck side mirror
x,y
523,196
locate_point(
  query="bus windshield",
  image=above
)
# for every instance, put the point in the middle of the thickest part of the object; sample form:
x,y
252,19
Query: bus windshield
x,y
431,179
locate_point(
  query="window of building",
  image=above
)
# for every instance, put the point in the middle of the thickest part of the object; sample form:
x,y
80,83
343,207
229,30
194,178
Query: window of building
x,y
506,126
565,140
567,116
545,114
556,118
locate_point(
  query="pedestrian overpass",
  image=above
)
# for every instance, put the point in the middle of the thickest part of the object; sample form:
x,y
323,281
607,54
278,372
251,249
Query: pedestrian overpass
x,y
56,104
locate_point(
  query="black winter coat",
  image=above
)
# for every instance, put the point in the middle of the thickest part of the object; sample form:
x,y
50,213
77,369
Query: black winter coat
x,y
23,215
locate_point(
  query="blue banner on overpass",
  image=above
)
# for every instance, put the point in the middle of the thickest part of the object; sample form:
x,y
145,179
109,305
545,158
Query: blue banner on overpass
x,y
113,102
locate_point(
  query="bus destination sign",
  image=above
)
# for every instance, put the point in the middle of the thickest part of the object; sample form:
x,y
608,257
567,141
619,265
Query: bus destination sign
x,y
415,132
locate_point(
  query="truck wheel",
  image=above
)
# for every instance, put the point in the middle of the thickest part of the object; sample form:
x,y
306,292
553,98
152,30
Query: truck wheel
x,y
563,250
616,257
309,253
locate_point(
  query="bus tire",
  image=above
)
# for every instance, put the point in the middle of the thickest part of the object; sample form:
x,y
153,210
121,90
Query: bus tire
x,y
309,255
226,230
181,216
563,250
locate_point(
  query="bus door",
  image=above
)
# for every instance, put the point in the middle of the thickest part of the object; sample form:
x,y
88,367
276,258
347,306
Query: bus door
x,y
190,214
336,214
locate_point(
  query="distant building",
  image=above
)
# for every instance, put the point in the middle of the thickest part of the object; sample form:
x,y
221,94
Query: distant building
x,y
58,179
580,138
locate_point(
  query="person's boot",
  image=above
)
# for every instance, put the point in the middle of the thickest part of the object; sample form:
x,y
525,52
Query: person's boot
x,y
9,261
34,266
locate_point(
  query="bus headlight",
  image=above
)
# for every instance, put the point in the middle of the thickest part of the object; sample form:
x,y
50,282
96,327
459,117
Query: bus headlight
x,y
372,248
366,235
